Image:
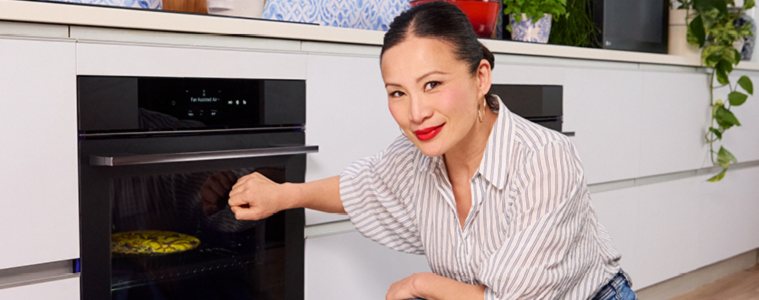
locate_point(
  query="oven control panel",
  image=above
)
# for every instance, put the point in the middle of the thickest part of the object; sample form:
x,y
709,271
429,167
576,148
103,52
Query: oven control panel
x,y
114,104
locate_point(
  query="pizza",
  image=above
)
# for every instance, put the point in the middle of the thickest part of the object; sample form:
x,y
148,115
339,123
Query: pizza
x,y
152,242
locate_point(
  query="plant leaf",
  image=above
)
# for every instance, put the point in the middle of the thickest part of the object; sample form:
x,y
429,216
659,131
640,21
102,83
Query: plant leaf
x,y
721,75
736,57
737,98
725,118
746,84
748,4
726,155
716,132
718,177
696,28
711,55
726,64
702,5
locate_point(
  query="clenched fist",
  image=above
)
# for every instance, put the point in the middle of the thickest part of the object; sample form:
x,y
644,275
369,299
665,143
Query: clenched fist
x,y
256,197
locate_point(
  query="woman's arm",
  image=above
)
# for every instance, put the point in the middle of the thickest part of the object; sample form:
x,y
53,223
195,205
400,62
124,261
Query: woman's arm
x,y
430,286
255,197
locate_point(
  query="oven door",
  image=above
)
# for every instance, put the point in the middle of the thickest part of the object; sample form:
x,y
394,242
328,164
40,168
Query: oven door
x,y
158,188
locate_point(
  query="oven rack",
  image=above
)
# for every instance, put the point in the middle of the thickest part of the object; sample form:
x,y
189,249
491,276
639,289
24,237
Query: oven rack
x,y
130,272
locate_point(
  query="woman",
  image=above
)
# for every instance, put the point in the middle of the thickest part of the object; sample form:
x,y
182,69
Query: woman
x,y
498,204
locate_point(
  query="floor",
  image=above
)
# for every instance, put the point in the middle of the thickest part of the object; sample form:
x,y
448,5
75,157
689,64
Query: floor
x,y
742,285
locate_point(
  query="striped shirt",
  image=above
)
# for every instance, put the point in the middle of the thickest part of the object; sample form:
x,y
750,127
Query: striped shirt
x,y
531,232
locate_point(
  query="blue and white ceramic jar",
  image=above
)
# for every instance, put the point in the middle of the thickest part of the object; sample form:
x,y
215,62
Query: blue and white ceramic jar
x,y
747,47
361,14
147,4
528,31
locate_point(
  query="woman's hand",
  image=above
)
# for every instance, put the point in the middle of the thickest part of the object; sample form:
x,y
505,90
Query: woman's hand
x,y
256,197
215,191
431,286
406,288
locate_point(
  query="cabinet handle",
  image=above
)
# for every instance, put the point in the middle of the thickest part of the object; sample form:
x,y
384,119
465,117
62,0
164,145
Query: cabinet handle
x,y
129,160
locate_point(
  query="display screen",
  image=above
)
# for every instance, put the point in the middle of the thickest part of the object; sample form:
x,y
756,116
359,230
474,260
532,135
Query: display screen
x,y
196,103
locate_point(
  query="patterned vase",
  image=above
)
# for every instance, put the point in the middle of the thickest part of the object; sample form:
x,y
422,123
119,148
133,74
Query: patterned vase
x,y
147,4
747,47
361,14
528,31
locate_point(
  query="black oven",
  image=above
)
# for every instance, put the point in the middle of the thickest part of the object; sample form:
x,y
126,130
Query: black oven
x,y
158,157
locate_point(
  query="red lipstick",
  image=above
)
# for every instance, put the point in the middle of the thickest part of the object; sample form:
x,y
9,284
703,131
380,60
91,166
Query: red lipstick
x,y
428,133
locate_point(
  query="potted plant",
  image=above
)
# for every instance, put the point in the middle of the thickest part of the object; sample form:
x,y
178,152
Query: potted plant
x,y
713,29
576,27
530,20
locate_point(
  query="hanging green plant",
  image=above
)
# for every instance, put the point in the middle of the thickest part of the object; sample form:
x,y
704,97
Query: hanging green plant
x,y
713,29
577,27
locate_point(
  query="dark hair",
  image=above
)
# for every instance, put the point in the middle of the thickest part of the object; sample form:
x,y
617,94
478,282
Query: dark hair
x,y
443,21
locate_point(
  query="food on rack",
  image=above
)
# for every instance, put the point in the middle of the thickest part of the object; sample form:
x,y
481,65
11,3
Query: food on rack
x,y
152,242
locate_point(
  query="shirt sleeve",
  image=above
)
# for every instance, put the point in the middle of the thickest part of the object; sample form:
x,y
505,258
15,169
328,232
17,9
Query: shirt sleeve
x,y
547,251
376,194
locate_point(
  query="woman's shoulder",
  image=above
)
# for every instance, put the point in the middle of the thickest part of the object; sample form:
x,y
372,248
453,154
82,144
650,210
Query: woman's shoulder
x,y
401,147
400,154
533,137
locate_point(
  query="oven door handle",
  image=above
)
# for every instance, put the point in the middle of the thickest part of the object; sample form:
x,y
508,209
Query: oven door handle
x,y
129,160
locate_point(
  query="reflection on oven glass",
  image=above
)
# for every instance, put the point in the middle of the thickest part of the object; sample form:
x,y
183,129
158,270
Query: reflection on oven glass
x,y
234,260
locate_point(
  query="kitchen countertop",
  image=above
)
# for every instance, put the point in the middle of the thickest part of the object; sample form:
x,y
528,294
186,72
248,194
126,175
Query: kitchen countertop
x,y
126,18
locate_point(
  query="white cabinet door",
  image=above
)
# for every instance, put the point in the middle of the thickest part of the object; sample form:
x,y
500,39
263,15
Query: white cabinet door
x,y
38,152
63,289
139,60
346,115
350,266
674,117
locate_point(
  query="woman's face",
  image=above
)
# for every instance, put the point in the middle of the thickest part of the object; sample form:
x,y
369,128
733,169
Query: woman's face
x,y
431,94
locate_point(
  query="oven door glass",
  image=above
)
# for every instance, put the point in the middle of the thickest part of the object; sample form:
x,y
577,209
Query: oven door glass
x,y
164,230
173,236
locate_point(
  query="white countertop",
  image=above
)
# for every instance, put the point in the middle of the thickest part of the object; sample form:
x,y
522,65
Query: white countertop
x,y
125,18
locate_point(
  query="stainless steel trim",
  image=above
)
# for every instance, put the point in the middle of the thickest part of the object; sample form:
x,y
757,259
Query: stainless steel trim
x,y
128,160
149,133
36,273
331,228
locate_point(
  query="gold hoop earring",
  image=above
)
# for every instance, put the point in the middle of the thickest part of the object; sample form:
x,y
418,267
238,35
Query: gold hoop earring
x,y
479,113
402,132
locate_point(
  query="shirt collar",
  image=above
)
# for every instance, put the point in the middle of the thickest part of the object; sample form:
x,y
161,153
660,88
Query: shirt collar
x,y
495,160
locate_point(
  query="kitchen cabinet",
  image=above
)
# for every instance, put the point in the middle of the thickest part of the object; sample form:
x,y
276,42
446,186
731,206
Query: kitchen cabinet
x,y
38,152
603,107
670,228
674,114
346,115
350,266
165,61
60,289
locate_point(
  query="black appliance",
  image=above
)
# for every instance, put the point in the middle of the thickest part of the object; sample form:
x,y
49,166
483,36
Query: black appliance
x,y
639,25
541,104
162,154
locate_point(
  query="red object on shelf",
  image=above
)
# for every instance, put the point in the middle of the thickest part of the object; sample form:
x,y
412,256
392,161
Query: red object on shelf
x,y
483,14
